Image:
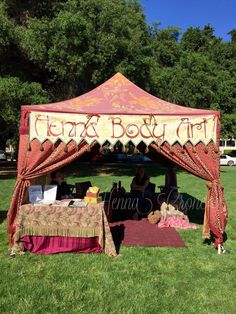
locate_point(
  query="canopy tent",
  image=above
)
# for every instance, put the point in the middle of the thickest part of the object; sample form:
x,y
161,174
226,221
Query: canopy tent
x,y
53,135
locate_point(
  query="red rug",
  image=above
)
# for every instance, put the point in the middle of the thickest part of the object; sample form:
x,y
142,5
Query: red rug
x,y
142,233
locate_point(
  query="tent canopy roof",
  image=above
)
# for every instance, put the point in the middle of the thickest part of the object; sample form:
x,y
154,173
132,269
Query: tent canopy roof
x,y
118,95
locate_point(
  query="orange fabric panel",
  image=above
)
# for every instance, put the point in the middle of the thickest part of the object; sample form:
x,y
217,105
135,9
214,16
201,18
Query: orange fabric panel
x,y
121,96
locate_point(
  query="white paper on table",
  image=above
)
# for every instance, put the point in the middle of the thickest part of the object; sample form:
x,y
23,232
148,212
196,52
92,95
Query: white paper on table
x,y
35,193
50,193
79,204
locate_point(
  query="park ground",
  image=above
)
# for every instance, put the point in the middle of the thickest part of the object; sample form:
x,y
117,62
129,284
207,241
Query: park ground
x,y
142,280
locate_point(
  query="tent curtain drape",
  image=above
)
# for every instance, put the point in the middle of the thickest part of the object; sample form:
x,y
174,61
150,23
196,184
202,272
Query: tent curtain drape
x,y
36,160
202,161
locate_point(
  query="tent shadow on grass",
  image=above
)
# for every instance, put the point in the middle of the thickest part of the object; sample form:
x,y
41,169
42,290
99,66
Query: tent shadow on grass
x,y
118,233
195,208
3,216
7,176
115,169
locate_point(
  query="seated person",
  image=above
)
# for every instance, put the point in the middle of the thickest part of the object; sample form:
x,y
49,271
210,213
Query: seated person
x,y
140,182
63,189
140,190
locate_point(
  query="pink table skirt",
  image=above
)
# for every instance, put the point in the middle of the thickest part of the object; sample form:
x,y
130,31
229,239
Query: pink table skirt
x,y
59,244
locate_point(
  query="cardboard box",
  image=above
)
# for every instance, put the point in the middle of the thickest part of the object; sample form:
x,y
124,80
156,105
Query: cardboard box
x,y
90,194
93,200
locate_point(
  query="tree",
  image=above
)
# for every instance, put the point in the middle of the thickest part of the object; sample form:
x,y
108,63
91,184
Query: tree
x,y
166,50
232,33
228,126
196,39
14,93
86,42
5,31
189,82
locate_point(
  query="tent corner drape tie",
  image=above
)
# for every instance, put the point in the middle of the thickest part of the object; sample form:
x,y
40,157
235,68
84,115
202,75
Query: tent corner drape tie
x,y
24,179
210,184
21,177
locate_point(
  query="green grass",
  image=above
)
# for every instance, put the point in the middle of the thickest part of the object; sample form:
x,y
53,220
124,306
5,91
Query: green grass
x,y
143,280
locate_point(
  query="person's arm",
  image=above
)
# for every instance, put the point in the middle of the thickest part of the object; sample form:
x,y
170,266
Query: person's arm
x,y
144,186
133,185
141,188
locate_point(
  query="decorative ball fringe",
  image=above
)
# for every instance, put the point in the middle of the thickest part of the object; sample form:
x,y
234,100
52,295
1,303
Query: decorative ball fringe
x,y
216,149
209,185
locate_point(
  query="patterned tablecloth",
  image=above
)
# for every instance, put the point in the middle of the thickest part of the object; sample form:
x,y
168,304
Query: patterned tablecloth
x,y
55,220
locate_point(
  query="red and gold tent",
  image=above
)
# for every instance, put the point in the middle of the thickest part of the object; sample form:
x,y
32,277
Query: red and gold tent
x,y
53,135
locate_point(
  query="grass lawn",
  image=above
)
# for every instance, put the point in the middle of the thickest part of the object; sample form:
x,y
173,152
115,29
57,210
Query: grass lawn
x,y
143,280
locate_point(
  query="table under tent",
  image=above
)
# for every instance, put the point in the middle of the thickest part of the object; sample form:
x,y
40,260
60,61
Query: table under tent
x,y
54,135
